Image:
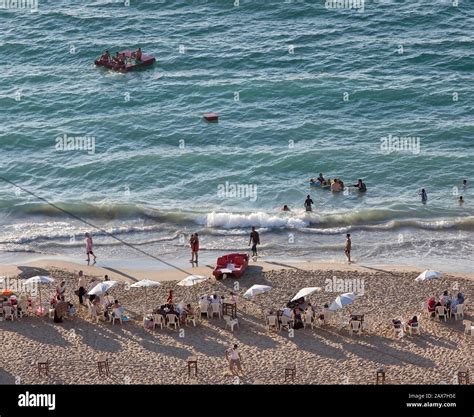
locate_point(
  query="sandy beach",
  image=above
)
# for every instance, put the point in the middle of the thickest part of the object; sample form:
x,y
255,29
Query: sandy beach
x,y
323,355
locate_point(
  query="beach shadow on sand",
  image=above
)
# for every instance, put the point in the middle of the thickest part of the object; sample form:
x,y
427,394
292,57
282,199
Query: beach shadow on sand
x,y
6,378
37,329
98,336
313,342
378,349
30,271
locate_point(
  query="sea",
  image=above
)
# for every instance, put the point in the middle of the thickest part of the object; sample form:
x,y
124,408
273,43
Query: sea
x,y
377,90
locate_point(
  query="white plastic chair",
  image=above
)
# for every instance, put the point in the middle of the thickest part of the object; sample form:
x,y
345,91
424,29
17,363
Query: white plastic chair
x,y
204,307
414,329
459,312
230,322
398,331
171,319
308,319
355,327
467,326
116,315
272,322
158,320
191,319
92,312
22,308
216,309
441,312
9,313
285,323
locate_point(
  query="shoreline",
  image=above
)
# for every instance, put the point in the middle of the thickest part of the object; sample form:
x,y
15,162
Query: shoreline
x,y
166,273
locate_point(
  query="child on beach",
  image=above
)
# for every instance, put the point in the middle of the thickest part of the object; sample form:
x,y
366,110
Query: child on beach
x,y
347,249
89,248
235,359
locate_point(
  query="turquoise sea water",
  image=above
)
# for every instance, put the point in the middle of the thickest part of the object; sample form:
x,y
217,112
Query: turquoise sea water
x,y
300,89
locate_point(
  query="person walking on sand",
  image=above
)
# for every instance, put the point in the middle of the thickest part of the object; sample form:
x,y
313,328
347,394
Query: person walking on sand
x,y
347,249
194,248
82,287
308,202
235,359
89,248
255,240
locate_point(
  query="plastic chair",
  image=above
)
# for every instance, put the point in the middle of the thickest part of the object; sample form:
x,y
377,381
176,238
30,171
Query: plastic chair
x,y
216,309
441,312
171,319
191,319
459,312
355,327
204,307
467,326
308,319
272,322
116,315
230,322
414,329
398,331
8,310
158,320
285,323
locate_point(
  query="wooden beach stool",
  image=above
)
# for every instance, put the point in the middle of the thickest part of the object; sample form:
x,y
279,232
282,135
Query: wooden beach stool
x,y
103,365
463,376
380,376
192,364
43,366
290,371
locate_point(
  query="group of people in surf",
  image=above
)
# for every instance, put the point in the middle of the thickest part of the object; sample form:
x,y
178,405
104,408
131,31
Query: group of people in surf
x,y
119,59
336,184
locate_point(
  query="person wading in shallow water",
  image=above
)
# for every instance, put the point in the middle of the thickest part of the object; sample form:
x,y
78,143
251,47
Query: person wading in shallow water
x,y
194,242
347,249
255,240
89,248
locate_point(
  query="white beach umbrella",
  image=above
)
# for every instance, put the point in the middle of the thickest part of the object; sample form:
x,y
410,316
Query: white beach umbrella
x,y
427,275
256,289
192,280
145,283
102,287
305,292
342,301
39,279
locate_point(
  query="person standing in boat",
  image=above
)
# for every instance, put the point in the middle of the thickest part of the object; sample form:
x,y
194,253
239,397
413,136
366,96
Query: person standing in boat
x,y
137,54
255,240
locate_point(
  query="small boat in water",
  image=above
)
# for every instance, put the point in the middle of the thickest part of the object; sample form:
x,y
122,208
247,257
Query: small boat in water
x,y
130,63
233,264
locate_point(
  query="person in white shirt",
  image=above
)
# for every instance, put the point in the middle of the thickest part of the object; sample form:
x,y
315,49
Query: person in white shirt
x,y
235,360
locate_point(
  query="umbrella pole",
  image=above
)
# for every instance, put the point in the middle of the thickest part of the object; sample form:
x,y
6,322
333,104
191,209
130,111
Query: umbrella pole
x,y
146,302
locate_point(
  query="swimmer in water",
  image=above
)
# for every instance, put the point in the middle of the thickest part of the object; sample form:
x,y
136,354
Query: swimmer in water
x,y
424,196
308,202
461,201
285,208
361,186
464,184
